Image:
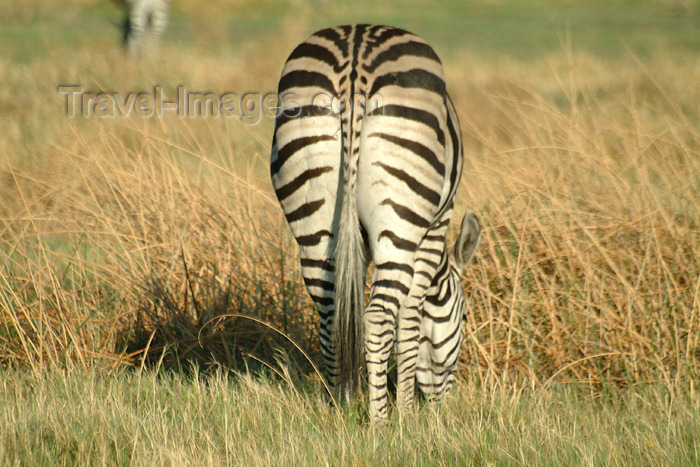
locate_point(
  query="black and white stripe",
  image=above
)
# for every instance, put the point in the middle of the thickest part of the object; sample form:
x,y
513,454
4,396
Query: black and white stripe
x,y
366,161
144,24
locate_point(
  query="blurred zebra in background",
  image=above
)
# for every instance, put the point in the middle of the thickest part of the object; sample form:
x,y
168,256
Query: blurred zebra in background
x,y
360,183
145,22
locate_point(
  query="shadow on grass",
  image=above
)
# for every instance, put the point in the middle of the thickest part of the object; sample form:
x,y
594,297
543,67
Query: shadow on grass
x,y
207,320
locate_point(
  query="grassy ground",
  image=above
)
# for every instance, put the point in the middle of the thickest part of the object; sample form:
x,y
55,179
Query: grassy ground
x,y
130,243
170,419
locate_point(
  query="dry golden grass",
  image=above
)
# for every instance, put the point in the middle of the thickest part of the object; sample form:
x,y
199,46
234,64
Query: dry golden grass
x,y
587,182
129,237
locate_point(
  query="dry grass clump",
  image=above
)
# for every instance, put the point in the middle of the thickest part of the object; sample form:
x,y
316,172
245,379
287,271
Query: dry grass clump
x,y
133,250
589,270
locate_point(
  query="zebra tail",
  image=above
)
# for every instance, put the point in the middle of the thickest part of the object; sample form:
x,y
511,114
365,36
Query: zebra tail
x,y
350,266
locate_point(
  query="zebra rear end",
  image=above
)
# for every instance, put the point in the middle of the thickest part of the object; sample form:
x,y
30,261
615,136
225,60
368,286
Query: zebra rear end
x,y
375,180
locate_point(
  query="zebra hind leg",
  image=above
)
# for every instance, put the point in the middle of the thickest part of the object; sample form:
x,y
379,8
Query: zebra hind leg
x,y
380,316
319,279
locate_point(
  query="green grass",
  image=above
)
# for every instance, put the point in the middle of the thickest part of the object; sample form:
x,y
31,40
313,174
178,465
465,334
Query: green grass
x,y
150,418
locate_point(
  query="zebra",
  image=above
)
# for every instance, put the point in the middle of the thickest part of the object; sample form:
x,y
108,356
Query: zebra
x,y
145,22
366,160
